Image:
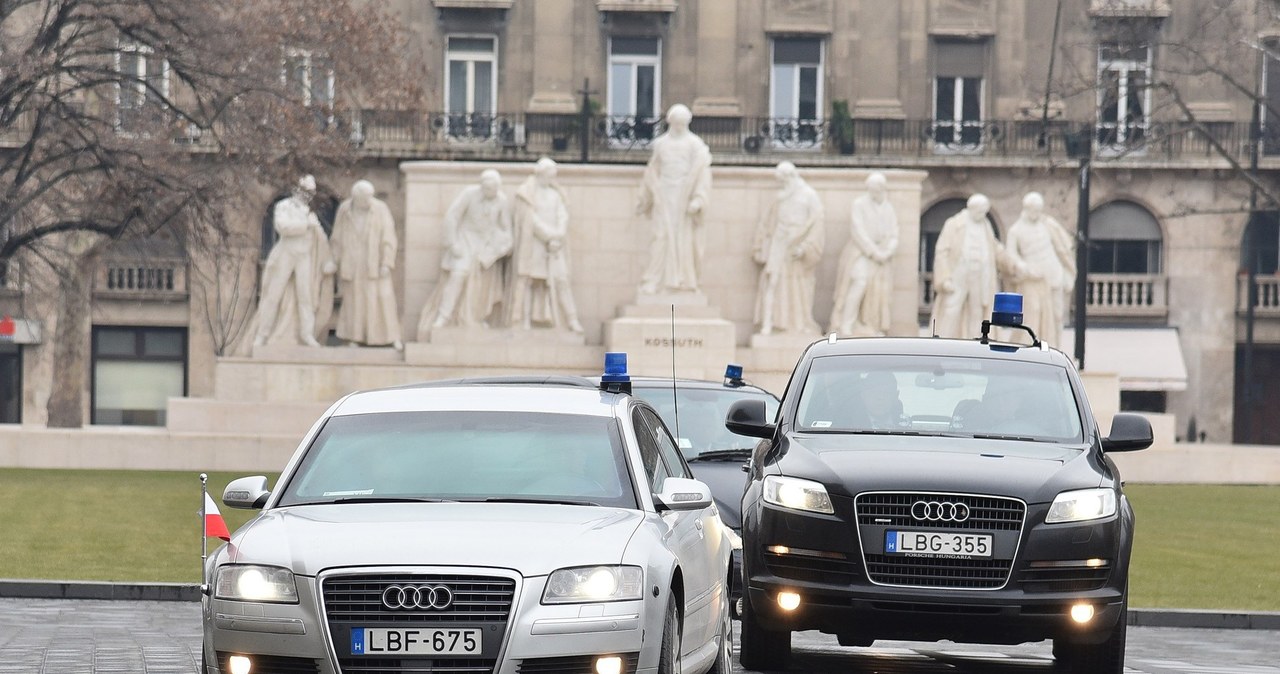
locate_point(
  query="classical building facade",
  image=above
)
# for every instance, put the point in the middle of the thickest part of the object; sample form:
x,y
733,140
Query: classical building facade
x,y
999,97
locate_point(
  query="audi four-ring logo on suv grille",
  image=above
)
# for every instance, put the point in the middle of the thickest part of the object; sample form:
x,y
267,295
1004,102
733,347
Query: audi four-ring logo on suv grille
x,y
422,597
939,511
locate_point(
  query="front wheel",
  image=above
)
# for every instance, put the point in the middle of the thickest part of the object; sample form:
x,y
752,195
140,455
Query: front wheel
x,y
724,655
762,648
1106,657
669,659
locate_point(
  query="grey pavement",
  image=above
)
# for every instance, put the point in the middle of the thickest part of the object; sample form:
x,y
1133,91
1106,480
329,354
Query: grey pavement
x,y
73,636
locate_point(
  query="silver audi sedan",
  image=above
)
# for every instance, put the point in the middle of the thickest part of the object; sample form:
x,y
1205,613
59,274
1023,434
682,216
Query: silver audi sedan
x,y
489,525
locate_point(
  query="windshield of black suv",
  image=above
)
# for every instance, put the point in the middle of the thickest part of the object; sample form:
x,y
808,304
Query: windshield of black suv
x,y
965,397
464,456
702,413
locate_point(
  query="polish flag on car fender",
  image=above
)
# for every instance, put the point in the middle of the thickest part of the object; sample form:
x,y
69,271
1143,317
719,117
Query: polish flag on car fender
x,y
214,525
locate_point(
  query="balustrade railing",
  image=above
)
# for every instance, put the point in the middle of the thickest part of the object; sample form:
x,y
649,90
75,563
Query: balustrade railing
x,y
1114,295
142,277
1266,302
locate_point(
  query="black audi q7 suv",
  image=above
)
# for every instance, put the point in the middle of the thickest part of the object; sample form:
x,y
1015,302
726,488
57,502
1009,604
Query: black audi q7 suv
x,y
933,489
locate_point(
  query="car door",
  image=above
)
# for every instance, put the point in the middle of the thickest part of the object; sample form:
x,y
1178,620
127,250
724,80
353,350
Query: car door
x,y
696,533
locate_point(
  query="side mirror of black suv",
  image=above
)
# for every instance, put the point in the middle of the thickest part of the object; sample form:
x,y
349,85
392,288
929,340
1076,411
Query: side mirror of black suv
x,y
1129,432
748,417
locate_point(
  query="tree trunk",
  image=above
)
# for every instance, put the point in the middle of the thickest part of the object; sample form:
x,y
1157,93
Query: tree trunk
x,y
71,344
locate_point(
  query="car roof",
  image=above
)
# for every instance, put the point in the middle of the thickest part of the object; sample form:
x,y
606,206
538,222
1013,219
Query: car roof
x,y
937,346
665,382
547,394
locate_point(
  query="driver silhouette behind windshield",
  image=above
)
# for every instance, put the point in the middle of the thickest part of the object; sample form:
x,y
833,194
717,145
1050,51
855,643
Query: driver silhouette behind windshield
x,y
879,406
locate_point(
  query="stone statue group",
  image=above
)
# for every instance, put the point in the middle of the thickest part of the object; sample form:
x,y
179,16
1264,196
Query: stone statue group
x,y
506,261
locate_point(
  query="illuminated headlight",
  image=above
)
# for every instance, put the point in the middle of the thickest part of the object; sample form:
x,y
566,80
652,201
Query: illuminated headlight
x,y
249,582
586,584
1082,505
797,494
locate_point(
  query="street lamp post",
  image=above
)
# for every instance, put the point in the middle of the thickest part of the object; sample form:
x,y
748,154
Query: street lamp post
x,y
1080,146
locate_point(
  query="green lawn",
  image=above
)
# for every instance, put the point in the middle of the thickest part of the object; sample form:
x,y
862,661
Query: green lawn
x,y
1206,547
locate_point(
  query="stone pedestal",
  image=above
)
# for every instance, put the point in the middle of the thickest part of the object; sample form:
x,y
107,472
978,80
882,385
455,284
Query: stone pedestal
x,y
337,355
652,335
508,349
779,352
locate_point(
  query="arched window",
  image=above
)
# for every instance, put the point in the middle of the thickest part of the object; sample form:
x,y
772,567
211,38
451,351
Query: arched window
x,y
1124,238
931,226
1260,248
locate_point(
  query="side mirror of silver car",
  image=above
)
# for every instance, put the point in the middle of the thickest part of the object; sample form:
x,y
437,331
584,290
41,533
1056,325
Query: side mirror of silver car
x,y
679,493
249,493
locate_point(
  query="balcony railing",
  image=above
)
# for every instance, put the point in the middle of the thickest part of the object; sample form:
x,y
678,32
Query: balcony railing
x,y
156,278
1266,302
1109,295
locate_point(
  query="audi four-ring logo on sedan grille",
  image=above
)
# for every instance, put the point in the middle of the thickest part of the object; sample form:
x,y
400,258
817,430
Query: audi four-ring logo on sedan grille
x,y
422,597
939,511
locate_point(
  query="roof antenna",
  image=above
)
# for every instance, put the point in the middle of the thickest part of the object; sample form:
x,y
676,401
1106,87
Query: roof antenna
x,y
675,399
934,328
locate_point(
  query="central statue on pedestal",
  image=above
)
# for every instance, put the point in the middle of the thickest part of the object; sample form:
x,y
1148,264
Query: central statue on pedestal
x,y
674,192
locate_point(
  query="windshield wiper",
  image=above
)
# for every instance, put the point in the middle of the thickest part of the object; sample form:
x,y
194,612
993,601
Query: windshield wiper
x,y
553,501
722,455
387,499
996,436
921,434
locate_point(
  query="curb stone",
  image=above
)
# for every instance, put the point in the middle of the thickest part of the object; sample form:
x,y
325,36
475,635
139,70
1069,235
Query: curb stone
x,y
66,589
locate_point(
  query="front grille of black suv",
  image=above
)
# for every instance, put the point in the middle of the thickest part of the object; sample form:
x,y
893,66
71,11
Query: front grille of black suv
x,y
986,514
355,600
1064,579
574,664
811,569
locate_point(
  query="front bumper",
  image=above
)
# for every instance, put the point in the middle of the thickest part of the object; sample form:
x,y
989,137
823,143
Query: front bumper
x,y
825,562
299,636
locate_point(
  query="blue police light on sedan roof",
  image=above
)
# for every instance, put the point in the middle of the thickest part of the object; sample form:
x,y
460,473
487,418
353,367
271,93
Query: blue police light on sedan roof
x,y
615,378
733,376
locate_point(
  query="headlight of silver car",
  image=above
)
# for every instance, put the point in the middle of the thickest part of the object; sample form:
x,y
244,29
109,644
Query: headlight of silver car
x,y
1081,506
586,584
251,582
797,494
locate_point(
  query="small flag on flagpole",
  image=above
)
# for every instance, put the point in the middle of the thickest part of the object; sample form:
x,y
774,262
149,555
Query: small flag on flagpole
x,y
214,525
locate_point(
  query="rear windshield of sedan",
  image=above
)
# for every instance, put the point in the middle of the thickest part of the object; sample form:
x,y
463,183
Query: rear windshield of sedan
x,y
974,397
465,456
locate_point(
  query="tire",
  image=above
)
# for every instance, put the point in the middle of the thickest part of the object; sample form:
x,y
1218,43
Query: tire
x,y
669,658
724,655
762,648
1106,657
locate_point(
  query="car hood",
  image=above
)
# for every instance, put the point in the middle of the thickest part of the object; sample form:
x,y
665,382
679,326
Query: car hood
x,y
1032,471
727,482
533,539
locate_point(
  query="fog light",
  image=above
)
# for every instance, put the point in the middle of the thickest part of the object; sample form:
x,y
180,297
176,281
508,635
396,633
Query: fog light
x,y
239,664
1082,613
788,601
1095,563
610,664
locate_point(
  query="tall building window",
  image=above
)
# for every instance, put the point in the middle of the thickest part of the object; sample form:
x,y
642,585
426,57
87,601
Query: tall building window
x,y
471,85
1124,238
309,76
796,91
135,372
635,77
1269,106
959,68
142,86
1124,96
10,384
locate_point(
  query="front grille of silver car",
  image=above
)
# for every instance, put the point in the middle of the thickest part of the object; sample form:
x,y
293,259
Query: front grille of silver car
x,y
358,598
408,666
986,513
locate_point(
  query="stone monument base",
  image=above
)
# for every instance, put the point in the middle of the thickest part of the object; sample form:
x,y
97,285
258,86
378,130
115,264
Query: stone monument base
x,y
509,349
677,329
777,352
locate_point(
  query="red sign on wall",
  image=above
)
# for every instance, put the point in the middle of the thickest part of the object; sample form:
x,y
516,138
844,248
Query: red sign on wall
x,y
7,327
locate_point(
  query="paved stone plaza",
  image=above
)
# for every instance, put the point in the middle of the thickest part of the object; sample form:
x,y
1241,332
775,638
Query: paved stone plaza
x,y
63,636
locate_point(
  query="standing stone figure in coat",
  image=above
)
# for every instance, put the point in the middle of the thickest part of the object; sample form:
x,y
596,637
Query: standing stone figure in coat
x,y
1040,264
364,245
674,192
540,262
964,271
864,285
296,274
789,243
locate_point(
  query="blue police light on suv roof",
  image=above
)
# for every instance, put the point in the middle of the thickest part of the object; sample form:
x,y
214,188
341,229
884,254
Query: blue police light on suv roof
x,y
733,375
1007,309
615,378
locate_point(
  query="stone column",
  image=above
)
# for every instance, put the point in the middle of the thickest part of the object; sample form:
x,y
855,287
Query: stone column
x,y
553,42
877,64
717,59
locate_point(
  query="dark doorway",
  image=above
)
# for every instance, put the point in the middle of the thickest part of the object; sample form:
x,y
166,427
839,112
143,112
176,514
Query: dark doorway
x,y
1265,399
10,384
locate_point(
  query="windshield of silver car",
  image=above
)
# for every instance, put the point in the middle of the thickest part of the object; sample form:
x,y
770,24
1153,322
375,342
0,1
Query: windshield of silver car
x,y
966,397
464,456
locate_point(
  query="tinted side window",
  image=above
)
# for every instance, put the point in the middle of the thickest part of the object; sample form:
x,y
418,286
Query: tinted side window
x,y
675,462
650,455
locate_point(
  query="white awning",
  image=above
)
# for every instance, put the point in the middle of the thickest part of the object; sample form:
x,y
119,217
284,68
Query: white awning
x,y
1146,359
